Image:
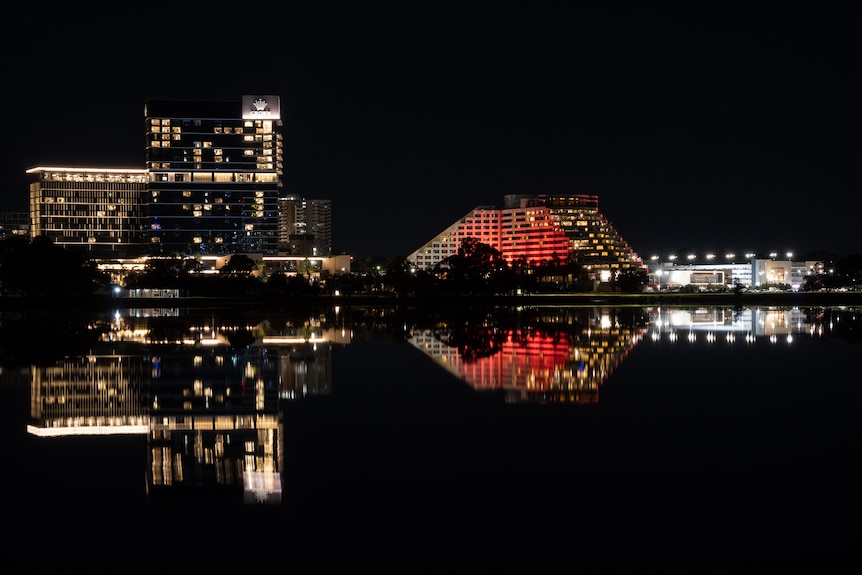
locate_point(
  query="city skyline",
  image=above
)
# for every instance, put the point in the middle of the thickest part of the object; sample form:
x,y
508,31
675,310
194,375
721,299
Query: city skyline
x,y
696,131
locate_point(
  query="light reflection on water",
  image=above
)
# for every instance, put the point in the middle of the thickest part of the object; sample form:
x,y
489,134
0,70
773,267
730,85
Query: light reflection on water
x,y
218,396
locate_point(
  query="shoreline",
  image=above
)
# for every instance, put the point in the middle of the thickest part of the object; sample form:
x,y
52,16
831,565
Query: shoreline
x,y
569,299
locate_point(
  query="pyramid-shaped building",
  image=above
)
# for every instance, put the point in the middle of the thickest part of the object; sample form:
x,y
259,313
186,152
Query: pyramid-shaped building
x,y
538,228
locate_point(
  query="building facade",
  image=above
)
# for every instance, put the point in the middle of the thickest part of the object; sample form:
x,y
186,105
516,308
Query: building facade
x,y
215,176
14,224
95,210
757,273
538,228
304,226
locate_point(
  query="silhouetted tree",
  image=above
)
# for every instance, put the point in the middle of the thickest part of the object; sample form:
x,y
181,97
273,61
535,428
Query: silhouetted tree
x,y
238,264
41,268
471,269
632,280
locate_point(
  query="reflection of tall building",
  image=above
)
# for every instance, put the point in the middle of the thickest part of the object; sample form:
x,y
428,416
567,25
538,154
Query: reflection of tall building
x,y
568,365
212,410
305,369
214,417
90,395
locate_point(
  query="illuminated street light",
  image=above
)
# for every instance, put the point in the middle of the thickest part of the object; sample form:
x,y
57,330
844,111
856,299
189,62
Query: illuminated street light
x,y
710,256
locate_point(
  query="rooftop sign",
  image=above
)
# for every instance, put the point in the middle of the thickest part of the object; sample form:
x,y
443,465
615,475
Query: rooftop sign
x,y
261,108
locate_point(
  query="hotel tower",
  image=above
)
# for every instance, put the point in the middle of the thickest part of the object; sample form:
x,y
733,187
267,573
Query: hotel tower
x,y
538,228
215,176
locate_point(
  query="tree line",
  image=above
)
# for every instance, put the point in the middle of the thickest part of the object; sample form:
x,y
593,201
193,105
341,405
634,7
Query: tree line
x,y
40,268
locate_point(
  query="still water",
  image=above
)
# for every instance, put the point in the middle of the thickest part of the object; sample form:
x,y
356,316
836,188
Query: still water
x,y
358,417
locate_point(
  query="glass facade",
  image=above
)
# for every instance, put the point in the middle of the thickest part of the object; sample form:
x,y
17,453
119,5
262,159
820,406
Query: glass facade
x,y
214,177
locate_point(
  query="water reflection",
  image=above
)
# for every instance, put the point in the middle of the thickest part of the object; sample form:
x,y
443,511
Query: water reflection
x,y
560,355
205,390
209,388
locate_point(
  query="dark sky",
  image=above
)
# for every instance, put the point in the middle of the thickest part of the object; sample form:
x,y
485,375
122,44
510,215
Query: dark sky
x,y
705,129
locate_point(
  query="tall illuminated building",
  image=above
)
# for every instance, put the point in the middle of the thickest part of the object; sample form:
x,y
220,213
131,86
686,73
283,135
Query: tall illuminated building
x,y
305,226
594,243
215,175
94,210
538,228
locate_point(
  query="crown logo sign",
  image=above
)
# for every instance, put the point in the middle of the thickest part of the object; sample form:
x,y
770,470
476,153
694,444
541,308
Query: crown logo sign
x,y
259,105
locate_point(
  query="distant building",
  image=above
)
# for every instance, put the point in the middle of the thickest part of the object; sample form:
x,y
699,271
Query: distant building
x,y
538,228
304,226
14,224
757,273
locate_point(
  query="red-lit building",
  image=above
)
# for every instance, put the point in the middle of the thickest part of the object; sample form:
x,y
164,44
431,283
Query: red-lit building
x,y
538,228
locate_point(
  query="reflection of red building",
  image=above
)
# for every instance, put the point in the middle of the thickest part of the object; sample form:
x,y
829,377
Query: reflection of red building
x,y
559,368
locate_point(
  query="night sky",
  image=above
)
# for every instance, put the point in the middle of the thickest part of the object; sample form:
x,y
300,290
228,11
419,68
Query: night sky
x,y
718,129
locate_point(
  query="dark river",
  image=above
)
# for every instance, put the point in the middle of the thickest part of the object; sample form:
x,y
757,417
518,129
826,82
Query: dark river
x,y
491,419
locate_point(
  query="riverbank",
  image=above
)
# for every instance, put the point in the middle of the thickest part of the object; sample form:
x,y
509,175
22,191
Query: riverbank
x,y
592,299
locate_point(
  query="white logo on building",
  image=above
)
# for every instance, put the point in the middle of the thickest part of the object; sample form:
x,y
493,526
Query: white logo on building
x,y
259,109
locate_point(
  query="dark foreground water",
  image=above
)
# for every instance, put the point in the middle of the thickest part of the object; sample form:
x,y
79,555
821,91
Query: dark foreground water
x,y
704,425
